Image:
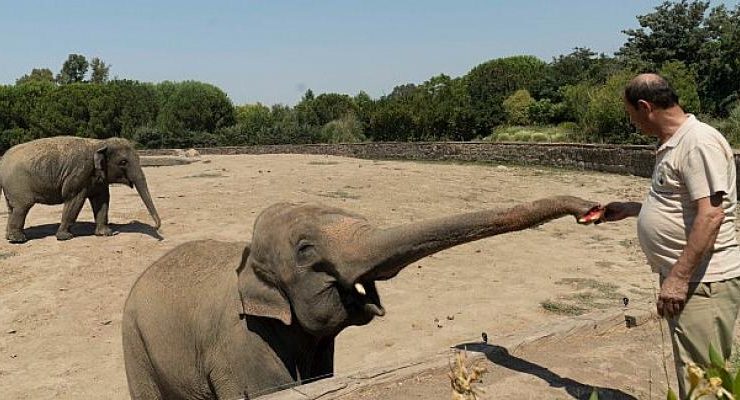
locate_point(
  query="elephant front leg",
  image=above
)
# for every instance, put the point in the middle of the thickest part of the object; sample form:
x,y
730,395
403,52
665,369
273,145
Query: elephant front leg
x,y
99,202
70,212
16,221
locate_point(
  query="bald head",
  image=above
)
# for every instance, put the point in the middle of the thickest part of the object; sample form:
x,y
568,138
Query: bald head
x,y
652,88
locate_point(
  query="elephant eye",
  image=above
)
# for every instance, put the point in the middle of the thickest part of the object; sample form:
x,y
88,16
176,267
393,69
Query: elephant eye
x,y
305,252
305,248
123,163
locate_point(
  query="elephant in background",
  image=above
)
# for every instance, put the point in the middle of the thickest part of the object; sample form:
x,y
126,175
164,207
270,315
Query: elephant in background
x,y
66,169
219,320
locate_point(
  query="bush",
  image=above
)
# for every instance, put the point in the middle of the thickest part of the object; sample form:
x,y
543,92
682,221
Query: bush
x,y
12,137
543,112
517,107
730,126
194,107
576,99
606,120
683,81
347,129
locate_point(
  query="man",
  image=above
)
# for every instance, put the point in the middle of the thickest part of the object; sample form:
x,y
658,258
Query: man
x,y
686,225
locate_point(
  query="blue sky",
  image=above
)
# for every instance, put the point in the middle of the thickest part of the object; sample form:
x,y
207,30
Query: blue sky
x,y
271,51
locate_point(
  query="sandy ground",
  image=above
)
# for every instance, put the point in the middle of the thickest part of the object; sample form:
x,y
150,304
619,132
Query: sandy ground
x,y
622,364
61,302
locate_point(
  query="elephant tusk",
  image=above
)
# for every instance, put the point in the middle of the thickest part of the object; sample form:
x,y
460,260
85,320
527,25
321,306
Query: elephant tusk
x,y
360,289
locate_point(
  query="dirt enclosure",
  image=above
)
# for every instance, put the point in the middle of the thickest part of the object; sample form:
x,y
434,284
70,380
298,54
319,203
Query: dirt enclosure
x,y
61,302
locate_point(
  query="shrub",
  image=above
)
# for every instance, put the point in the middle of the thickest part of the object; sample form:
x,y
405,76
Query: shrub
x,y
606,120
683,81
347,129
730,126
517,107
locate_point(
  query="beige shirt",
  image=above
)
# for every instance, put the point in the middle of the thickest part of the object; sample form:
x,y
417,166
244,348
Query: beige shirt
x,y
695,162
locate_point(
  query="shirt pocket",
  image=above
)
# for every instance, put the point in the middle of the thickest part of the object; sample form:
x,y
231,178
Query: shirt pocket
x,y
666,179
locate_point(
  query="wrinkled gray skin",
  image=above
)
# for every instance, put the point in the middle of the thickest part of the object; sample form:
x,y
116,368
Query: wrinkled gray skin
x,y
66,169
216,320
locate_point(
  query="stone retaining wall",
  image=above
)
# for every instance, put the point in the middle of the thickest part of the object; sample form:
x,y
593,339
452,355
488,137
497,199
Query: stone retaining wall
x,y
635,160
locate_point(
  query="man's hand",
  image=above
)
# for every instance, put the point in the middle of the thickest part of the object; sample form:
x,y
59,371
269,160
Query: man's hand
x,y
672,297
618,210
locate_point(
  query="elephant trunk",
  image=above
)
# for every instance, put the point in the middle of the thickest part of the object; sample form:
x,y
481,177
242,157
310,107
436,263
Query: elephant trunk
x,y
141,187
390,250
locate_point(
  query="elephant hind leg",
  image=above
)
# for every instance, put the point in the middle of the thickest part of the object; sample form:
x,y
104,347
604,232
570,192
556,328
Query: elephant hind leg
x,y
140,374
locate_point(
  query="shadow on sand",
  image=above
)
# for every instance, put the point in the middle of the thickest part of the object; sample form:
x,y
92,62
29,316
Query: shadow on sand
x,y
500,356
88,229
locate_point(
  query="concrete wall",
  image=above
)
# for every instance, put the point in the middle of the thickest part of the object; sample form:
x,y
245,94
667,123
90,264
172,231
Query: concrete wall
x,y
635,160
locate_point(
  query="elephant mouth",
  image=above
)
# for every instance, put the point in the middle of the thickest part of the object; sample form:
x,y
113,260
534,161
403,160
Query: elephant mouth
x,y
362,297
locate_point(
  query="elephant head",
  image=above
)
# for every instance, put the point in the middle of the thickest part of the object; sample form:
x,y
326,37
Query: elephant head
x,y
317,266
116,161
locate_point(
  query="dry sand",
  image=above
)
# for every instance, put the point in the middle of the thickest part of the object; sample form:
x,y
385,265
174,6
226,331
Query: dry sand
x,y
61,302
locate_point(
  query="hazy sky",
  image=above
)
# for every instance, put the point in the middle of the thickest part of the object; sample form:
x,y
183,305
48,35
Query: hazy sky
x,y
271,51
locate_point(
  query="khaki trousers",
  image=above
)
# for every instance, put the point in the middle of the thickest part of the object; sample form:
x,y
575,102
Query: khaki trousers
x,y
708,317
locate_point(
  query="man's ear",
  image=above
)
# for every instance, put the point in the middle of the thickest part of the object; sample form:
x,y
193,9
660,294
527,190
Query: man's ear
x,y
259,296
644,105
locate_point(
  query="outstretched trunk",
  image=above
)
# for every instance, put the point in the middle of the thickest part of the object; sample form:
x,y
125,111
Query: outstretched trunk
x,y
139,182
390,250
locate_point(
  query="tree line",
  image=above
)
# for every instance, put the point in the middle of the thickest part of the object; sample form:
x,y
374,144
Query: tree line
x,y
696,47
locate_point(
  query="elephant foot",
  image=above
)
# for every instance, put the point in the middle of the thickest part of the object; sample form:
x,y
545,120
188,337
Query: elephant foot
x,y
66,235
104,231
17,237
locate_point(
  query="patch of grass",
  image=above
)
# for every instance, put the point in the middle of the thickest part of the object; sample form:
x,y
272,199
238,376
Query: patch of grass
x,y
588,294
562,308
323,162
340,194
604,264
207,175
551,134
5,255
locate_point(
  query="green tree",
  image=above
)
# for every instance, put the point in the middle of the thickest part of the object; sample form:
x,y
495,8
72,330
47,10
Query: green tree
x,y
365,108
194,106
581,65
328,107
99,71
253,126
517,107
37,74
683,81
606,121
136,106
391,121
63,111
25,98
73,70
674,31
719,88
576,99
493,81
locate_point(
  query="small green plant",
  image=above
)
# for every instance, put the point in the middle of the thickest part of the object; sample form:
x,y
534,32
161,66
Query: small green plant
x,y
713,381
562,308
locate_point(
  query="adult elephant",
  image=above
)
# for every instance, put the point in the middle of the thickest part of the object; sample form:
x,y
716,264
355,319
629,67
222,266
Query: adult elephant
x,y
217,320
66,169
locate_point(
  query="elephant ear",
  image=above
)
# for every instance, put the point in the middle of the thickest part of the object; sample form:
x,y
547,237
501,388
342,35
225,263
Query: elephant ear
x,y
260,295
99,161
